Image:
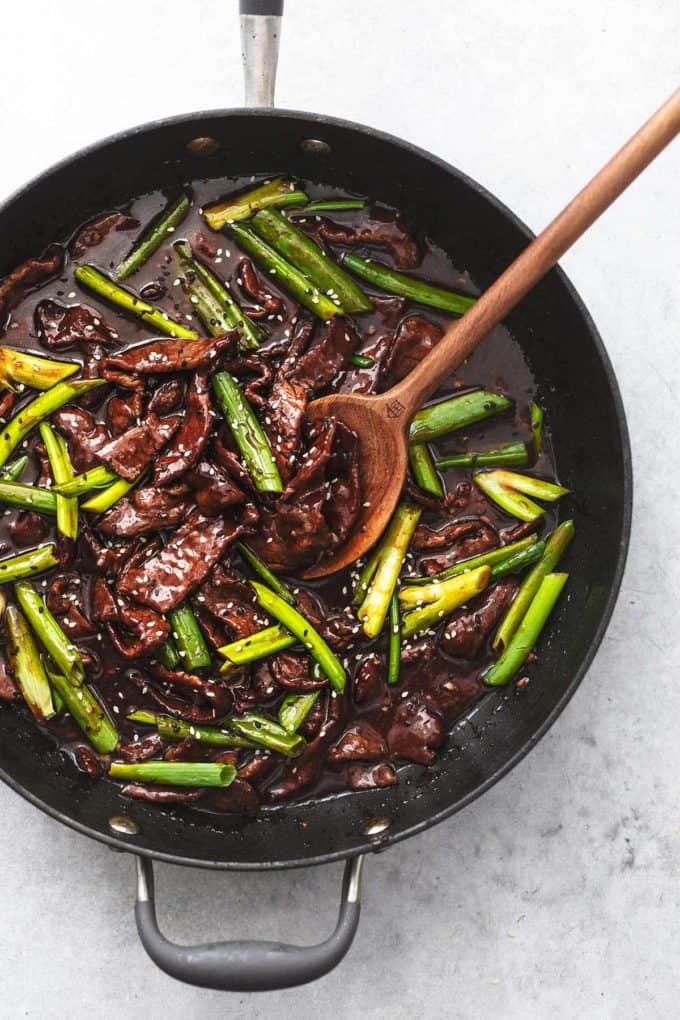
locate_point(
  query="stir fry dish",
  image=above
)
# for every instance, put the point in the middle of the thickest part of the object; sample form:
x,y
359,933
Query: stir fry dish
x,y
164,494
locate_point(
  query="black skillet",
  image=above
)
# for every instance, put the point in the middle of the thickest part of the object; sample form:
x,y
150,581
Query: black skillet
x,y
578,389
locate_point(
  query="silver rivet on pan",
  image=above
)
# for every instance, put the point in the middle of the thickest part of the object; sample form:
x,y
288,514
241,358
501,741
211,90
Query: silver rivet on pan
x,y
374,826
123,826
315,147
202,146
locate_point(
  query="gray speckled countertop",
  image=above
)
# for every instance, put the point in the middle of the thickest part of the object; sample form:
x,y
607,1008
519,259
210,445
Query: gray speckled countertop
x,y
557,893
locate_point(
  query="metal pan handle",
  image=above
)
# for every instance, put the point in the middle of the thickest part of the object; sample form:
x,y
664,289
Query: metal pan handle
x,y
260,34
247,966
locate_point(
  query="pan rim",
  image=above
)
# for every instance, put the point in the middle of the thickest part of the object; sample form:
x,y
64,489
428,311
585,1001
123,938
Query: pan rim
x,y
372,845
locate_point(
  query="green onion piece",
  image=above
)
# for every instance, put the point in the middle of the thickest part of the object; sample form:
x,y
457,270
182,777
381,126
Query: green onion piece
x,y
189,639
243,205
527,634
215,305
96,478
491,558
42,407
87,712
424,293
248,433
285,275
174,773
105,499
536,429
510,455
261,568
302,629
94,280
361,361
26,666
168,655
299,249
13,472
28,497
28,564
266,733
172,729
455,413
379,578
258,646
555,547
394,647
329,205
64,654
424,471
18,368
511,491
521,560
294,710
154,235
62,472
432,602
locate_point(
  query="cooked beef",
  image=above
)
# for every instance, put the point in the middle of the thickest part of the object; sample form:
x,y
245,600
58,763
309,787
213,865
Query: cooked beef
x,y
61,328
93,233
132,452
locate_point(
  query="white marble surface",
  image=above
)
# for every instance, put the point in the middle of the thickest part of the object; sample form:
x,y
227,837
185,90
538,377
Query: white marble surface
x,y
557,893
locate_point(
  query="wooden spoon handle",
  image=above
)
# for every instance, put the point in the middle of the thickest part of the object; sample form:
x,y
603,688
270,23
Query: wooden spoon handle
x,y
540,256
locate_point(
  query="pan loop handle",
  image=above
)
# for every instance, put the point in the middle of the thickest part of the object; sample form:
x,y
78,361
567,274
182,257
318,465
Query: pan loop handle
x,y
247,966
260,34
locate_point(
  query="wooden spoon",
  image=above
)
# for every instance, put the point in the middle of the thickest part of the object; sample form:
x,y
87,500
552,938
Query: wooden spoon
x,y
382,421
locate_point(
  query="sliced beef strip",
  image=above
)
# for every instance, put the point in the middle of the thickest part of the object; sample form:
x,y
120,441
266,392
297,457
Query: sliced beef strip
x,y
122,413
192,435
232,602
318,367
8,689
131,453
134,630
142,749
190,554
416,730
344,492
146,510
369,681
303,771
384,229
255,288
158,357
258,376
61,327
371,777
361,742
65,599
441,538
415,337
28,528
213,487
167,397
293,672
206,689
85,436
481,540
93,233
238,798
160,794
31,273
468,629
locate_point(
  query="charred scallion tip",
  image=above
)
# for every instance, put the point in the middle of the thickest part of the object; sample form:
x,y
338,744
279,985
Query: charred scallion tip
x,y
18,368
63,653
285,275
217,309
100,284
189,640
393,282
87,712
556,545
28,497
174,773
278,192
18,427
528,631
519,561
258,646
294,710
261,568
361,361
493,558
378,579
28,564
511,491
266,733
172,729
510,455
536,430
455,413
429,604
26,666
424,471
152,238
13,472
108,497
303,630
294,245
329,205
248,434
96,478
394,646
62,472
